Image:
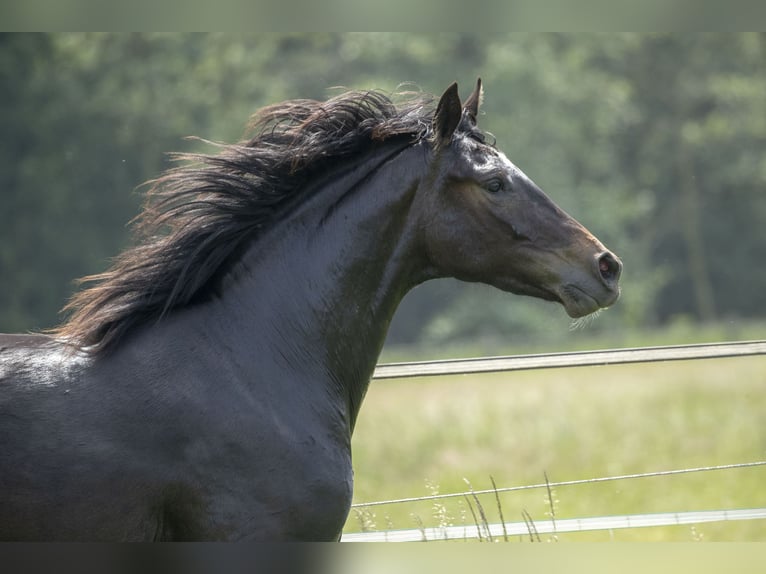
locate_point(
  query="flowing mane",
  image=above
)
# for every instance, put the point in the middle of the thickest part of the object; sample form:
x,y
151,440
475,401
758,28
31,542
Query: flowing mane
x,y
196,217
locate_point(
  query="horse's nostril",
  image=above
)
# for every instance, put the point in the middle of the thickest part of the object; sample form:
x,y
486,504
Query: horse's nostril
x,y
609,267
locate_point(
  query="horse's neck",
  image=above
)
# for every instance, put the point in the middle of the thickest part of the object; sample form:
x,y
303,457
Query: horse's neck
x,y
326,281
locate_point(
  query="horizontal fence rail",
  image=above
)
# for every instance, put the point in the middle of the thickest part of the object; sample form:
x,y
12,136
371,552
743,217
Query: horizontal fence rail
x,y
574,359
548,526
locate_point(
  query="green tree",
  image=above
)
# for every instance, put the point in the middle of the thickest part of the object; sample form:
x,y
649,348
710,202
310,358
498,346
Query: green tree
x,y
698,151
654,142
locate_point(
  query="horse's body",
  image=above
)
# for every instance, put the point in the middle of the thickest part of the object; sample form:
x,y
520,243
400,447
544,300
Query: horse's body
x,y
231,416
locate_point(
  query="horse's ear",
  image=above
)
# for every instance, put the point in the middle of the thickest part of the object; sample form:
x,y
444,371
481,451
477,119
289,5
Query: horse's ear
x,y
447,116
473,102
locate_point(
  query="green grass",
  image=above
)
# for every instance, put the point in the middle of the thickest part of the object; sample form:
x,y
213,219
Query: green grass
x,y
416,437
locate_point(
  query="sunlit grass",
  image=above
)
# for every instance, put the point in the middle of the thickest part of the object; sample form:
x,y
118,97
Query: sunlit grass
x,y
571,424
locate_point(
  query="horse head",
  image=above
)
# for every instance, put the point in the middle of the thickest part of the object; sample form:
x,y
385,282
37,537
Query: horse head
x,y
487,221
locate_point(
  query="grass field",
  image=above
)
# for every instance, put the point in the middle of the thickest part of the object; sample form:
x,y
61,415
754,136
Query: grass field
x,y
421,436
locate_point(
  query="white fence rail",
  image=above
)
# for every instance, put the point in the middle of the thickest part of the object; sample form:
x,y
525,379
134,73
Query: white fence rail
x,y
576,359
535,529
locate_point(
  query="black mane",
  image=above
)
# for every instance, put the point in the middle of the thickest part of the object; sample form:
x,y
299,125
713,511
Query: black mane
x,y
198,215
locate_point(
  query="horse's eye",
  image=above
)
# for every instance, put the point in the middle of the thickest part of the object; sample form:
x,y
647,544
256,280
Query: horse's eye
x,y
494,185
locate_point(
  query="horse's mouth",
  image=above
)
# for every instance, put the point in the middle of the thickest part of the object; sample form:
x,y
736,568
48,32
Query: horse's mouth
x,y
578,302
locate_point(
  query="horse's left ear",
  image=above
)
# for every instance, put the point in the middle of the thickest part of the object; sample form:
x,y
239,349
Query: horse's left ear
x,y
473,102
447,116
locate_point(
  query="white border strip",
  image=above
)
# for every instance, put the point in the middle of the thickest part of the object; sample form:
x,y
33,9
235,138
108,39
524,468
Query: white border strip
x,y
563,525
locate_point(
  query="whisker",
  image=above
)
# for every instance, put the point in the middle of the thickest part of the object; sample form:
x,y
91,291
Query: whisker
x,y
583,322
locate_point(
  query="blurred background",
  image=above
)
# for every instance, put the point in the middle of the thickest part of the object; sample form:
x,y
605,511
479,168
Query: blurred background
x,y
655,142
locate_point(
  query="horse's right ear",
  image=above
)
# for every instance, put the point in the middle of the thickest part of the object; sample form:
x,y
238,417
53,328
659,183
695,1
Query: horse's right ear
x,y
447,116
474,101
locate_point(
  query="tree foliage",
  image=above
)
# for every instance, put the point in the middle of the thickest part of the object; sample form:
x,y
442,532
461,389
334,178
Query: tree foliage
x,y
655,142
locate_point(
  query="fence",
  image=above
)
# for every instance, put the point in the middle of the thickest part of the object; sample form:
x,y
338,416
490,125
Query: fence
x,y
563,360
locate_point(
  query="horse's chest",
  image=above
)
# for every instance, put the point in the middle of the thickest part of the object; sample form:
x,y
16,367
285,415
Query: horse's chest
x,y
272,463
293,484
315,501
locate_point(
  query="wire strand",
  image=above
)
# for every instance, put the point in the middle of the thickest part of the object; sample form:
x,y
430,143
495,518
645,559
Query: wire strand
x,y
561,483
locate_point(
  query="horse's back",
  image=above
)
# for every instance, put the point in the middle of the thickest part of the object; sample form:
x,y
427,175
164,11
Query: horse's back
x,y
33,358
141,445
51,486
23,340
36,423
76,457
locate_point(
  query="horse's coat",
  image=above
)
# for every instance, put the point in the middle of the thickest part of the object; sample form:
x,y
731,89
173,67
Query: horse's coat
x,y
207,386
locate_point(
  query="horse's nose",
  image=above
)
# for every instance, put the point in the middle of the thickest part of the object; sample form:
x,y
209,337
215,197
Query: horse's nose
x,y
610,268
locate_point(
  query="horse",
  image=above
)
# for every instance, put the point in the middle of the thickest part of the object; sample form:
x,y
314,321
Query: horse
x,y
206,386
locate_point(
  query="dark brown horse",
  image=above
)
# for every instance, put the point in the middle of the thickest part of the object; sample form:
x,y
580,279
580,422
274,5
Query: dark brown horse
x,y
206,386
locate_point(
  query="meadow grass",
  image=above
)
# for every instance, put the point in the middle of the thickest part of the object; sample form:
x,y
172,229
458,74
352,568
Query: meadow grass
x,y
422,436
